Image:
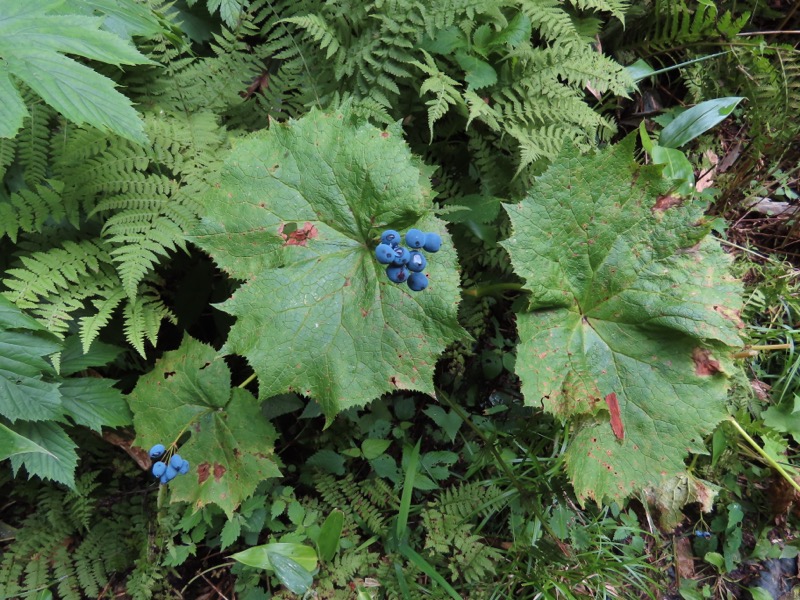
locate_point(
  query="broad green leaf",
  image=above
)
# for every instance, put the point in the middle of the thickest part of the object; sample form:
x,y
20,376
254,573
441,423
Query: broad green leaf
x,y
12,443
696,121
784,419
74,359
329,535
373,448
12,317
59,460
639,70
123,17
628,297
33,41
479,73
449,422
24,394
676,167
94,403
518,31
297,213
231,445
259,556
229,10
295,578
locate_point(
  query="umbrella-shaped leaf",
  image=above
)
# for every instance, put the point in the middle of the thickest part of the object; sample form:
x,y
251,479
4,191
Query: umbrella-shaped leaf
x,y
230,448
297,213
630,298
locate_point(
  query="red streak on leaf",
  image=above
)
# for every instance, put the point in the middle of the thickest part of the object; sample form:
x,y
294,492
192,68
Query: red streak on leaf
x,y
616,419
202,472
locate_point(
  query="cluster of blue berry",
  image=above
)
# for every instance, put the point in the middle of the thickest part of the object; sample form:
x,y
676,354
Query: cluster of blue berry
x,y
404,264
167,471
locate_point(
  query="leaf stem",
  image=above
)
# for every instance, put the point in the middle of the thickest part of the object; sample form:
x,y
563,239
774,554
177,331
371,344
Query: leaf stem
x,y
770,461
751,351
479,291
247,381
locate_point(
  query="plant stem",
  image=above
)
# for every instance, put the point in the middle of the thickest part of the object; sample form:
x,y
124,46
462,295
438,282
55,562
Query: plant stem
x,y
770,347
247,381
484,290
770,461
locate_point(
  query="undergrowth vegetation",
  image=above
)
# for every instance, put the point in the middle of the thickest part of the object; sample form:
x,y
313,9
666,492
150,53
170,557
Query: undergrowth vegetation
x,y
595,396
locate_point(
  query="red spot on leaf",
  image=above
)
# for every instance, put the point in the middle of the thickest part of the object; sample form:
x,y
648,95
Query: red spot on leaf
x,y
384,134
203,470
704,364
616,418
300,236
219,471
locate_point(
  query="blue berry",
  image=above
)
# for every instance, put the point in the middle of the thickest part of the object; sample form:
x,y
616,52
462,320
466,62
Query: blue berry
x,y
397,274
164,479
417,262
384,253
171,473
176,461
157,451
415,238
390,237
184,467
433,241
401,256
159,468
417,282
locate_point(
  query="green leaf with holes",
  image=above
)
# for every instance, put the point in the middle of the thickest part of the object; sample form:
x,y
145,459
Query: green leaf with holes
x,y
230,446
630,300
297,213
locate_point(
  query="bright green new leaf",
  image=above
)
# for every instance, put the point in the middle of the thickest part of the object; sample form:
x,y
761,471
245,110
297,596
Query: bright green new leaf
x,y
12,443
259,556
629,301
479,73
373,448
33,43
231,445
297,214
696,121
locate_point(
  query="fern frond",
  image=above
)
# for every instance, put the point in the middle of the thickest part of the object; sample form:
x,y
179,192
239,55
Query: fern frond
x,y
143,315
29,210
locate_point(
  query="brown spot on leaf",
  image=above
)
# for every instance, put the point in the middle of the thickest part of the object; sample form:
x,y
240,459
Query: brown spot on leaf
x,y
346,282
394,381
203,470
704,364
665,202
730,314
169,374
297,236
219,471
384,134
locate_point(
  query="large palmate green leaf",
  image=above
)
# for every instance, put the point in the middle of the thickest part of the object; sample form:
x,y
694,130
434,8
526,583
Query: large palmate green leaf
x,y
33,42
630,302
230,448
297,213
